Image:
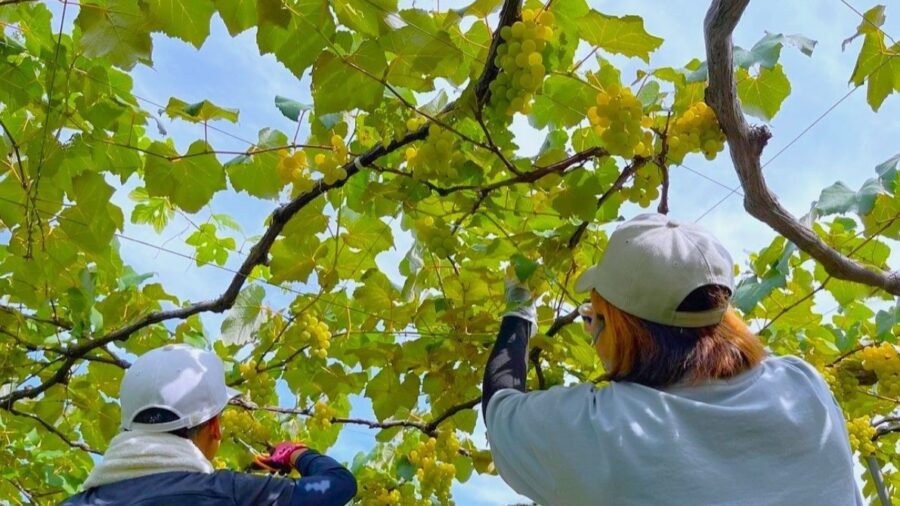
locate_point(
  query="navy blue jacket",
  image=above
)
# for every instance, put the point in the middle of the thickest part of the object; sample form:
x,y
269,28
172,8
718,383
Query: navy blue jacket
x,y
324,483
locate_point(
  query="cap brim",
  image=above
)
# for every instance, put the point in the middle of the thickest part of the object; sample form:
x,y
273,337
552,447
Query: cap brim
x,y
232,393
588,279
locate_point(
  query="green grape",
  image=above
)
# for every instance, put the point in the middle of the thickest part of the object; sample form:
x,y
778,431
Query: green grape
x,y
314,333
884,361
332,166
645,186
861,432
433,458
616,119
321,417
697,130
439,155
437,236
414,123
521,62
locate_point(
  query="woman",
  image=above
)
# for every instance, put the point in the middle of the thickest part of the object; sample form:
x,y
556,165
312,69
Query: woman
x,y
694,414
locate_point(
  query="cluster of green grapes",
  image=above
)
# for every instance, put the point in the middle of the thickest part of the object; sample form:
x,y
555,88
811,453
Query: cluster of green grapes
x,y
616,119
438,156
645,188
258,382
861,433
376,492
884,361
294,168
321,416
332,165
245,426
843,379
694,131
436,235
435,470
521,62
414,123
314,332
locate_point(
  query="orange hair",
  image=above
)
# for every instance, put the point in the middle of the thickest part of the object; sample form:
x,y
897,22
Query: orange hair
x,y
658,355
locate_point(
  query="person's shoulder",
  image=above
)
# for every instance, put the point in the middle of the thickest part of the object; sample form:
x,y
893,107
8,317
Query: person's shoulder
x,y
795,369
555,393
790,362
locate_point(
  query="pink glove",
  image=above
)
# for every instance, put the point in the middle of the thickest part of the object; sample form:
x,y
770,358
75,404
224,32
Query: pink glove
x,y
280,458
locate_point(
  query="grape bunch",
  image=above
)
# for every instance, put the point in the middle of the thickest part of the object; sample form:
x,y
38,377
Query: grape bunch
x,y
846,385
861,433
332,165
377,491
294,168
321,416
245,426
434,461
645,186
884,361
257,380
697,130
438,156
521,62
436,235
616,119
313,332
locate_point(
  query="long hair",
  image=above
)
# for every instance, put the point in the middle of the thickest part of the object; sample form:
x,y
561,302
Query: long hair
x,y
655,355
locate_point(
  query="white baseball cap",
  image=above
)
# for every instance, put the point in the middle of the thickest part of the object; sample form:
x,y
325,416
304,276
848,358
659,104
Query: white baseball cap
x,y
187,381
652,263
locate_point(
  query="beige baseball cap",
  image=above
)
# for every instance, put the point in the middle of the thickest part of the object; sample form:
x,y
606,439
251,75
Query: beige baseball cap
x,y
653,262
187,381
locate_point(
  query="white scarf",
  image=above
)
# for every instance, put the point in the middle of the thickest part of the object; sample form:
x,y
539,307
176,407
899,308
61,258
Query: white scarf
x,y
134,454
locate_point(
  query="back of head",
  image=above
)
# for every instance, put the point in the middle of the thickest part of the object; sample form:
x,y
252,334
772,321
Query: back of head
x,y
152,416
663,288
658,355
173,387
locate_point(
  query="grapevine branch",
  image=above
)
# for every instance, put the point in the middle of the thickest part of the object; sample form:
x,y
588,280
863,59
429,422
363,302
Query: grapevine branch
x,y
15,147
74,444
746,144
537,174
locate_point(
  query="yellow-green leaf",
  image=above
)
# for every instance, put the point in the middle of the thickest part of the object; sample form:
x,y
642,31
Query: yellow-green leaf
x,y
620,35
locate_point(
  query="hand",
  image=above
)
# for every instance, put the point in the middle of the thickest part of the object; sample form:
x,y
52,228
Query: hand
x,y
519,303
282,458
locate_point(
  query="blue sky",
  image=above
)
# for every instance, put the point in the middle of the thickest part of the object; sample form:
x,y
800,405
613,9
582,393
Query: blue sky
x,y
845,146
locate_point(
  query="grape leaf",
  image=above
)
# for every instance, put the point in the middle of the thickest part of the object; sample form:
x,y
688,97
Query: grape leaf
x,y
245,317
117,30
763,94
188,182
341,83
188,21
619,35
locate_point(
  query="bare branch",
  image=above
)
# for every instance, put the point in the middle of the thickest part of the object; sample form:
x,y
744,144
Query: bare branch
x,y
746,144
429,428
